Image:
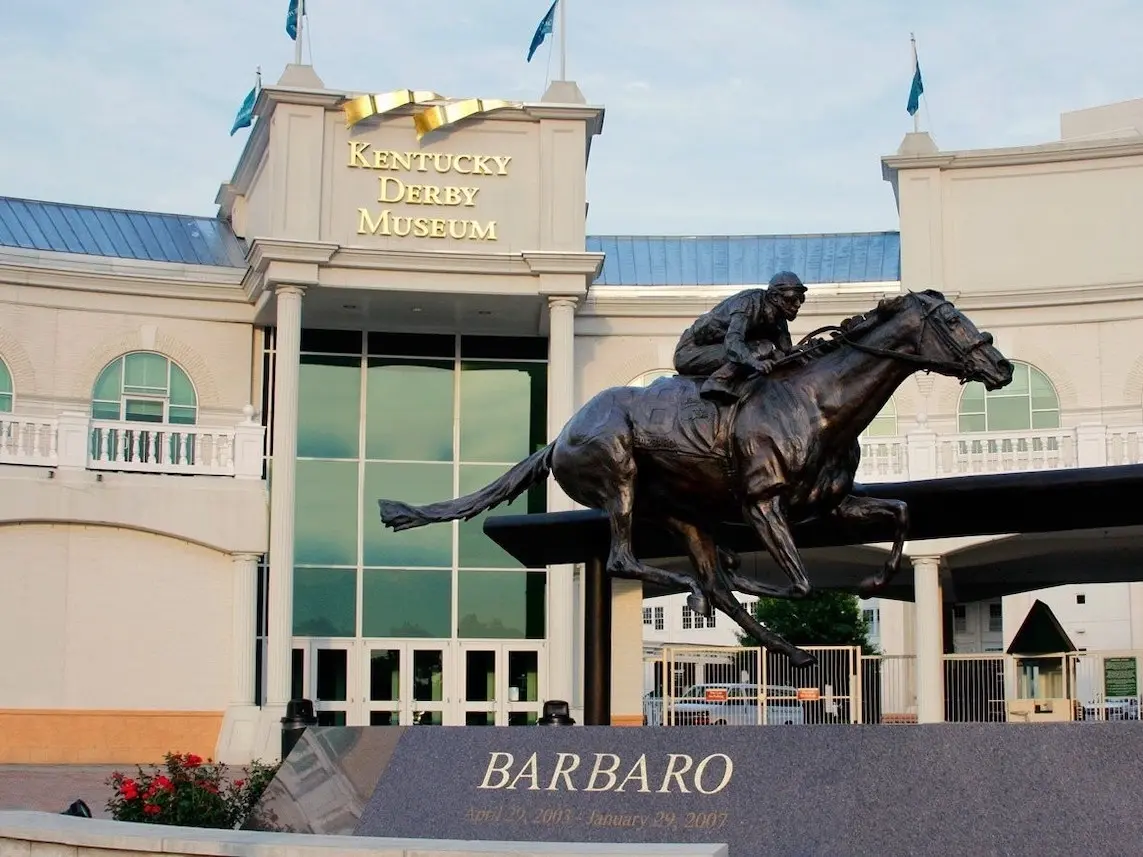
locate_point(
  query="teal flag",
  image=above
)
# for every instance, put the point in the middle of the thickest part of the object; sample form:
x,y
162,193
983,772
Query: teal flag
x,y
543,30
245,116
916,89
292,20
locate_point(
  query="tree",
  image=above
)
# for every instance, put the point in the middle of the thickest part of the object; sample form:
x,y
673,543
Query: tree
x,y
824,618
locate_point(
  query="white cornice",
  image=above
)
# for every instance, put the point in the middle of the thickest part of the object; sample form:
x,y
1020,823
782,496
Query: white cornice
x,y
433,262
564,262
1047,153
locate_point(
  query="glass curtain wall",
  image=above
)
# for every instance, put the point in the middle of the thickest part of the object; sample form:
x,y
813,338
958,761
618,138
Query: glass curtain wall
x,y
418,418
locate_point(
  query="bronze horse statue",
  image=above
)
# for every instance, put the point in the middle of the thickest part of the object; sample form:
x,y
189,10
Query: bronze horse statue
x,y
785,453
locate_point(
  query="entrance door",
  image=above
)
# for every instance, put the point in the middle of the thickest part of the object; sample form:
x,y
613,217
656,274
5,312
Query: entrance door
x,y
500,684
327,667
404,684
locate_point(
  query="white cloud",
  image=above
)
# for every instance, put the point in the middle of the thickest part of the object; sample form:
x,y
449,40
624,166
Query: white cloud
x,y
725,116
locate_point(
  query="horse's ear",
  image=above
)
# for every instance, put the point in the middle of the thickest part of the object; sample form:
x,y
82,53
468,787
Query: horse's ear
x,y
890,305
933,293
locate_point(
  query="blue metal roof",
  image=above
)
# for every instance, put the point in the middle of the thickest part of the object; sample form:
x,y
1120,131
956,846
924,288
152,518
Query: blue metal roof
x,y
147,236
747,260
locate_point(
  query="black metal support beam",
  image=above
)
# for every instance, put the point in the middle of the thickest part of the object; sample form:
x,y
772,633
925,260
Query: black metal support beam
x,y
596,644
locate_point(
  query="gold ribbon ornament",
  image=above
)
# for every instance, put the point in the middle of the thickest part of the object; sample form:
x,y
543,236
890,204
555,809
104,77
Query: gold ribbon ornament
x,y
433,117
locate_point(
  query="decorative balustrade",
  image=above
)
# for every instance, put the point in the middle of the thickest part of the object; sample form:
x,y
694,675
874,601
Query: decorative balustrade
x,y
77,442
1007,452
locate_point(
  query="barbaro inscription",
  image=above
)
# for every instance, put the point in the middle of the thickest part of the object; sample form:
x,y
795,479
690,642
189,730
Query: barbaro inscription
x,y
678,772
414,190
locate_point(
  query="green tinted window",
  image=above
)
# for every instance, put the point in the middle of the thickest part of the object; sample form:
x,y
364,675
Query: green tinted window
x,y
409,410
107,395
415,603
181,391
475,549
6,390
501,604
1029,402
325,602
502,410
329,404
410,483
145,373
325,513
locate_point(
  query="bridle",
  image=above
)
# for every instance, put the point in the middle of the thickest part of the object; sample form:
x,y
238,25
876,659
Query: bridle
x,y
958,367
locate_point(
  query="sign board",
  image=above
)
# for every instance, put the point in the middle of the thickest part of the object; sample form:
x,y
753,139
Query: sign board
x,y
809,694
772,791
716,694
1120,678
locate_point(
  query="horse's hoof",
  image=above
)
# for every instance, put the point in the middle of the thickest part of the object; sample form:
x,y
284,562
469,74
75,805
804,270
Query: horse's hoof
x,y
699,604
871,586
801,659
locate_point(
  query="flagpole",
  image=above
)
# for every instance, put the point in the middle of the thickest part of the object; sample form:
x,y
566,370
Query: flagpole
x,y
917,115
563,41
298,40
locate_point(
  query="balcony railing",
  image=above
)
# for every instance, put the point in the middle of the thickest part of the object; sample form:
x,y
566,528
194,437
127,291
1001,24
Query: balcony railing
x,y
926,455
75,441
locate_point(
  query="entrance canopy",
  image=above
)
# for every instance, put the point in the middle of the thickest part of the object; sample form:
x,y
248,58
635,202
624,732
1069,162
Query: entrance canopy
x,y
1080,525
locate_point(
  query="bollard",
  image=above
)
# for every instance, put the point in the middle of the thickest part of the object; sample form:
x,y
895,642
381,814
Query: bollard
x,y
299,715
556,713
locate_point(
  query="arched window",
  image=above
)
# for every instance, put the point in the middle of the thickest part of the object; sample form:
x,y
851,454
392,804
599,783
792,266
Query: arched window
x,y
647,378
885,423
1029,402
144,387
7,392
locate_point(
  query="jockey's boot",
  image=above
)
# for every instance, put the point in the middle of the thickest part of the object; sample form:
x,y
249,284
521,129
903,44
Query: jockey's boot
x,y
719,390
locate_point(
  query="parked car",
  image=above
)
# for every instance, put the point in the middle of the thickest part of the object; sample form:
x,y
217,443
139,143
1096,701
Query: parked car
x,y
737,705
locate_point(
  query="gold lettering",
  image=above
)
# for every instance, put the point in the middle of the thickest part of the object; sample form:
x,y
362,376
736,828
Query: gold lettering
x,y
564,772
502,163
456,164
527,772
727,773
457,229
356,148
432,195
470,195
381,159
413,193
678,775
480,165
438,228
366,226
421,227
452,195
402,161
447,163
383,196
641,767
486,233
608,772
397,228
420,156
504,771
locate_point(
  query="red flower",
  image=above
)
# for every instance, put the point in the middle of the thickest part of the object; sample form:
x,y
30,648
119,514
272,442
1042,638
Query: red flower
x,y
239,783
192,761
129,790
152,809
162,782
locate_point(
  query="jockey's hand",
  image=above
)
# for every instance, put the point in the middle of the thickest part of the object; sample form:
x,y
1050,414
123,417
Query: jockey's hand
x,y
764,366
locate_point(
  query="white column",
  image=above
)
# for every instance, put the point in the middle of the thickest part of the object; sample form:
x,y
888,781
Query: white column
x,y
244,627
280,609
929,638
1091,445
561,592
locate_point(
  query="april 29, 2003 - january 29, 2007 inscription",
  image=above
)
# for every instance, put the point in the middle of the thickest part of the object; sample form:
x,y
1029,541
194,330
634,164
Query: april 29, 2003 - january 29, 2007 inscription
x,y
510,815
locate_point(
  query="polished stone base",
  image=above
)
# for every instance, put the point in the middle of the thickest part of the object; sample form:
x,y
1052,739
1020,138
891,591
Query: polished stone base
x,y
798,791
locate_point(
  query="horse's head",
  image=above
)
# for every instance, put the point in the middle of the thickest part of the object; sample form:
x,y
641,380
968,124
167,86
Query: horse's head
x,y
945,341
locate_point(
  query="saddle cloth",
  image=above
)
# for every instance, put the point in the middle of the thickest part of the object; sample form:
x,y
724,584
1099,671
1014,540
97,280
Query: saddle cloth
x,y
670,416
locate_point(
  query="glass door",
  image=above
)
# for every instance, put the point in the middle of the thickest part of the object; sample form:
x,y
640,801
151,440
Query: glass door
x,y
325,677
384,668
425,685
404,684
501,684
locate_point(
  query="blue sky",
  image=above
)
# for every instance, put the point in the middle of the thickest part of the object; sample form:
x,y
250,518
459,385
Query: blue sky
x,y
723,116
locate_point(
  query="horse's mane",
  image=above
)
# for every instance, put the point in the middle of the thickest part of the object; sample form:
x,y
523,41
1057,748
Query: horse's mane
x,y
855,327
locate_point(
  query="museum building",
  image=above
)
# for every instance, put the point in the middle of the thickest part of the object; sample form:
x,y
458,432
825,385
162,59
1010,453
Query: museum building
x,y
398,299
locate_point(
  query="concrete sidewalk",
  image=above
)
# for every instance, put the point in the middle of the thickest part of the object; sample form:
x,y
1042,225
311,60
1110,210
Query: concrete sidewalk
x,y
50,788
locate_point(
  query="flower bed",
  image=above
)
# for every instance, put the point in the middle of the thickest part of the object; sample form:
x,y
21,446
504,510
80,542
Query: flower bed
x,y
189,792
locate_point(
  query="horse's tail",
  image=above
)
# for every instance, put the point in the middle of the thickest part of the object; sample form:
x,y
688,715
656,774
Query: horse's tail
x,y
402,516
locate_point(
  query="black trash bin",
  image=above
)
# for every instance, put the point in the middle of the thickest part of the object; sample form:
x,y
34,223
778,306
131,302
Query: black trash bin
x,y
556,713
299,715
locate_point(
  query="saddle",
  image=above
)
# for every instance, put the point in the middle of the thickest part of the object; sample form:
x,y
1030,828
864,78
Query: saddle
x,y
670,416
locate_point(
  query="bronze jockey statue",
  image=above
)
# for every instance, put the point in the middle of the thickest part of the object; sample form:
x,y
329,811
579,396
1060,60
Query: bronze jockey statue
x,y
743,335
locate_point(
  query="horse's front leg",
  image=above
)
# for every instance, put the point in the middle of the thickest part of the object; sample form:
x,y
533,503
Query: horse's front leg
x,y
773,529
862,510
